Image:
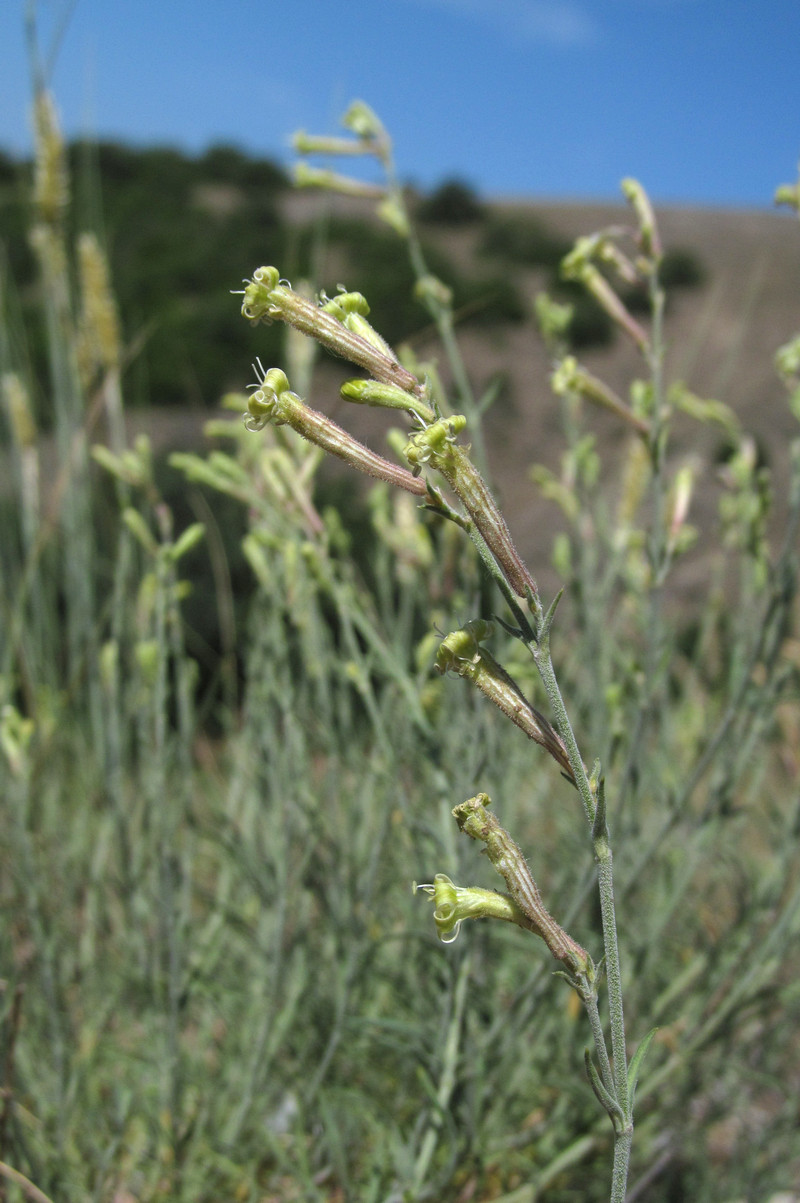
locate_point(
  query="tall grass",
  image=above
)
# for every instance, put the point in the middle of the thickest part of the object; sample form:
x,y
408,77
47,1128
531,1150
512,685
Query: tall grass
x,y
217,981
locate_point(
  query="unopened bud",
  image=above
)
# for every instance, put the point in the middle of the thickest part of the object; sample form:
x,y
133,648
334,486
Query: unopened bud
x,y
385,396
332,181
648,230
432,292
364,122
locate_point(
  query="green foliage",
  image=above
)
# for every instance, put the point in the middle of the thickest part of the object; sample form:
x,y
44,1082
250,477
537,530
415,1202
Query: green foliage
x,y
225,164
522,240
8,169
174,227
682,268
453,203
387,279
590,326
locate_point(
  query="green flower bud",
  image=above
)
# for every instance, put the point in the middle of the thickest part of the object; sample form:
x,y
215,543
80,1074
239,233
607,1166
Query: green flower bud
x,y
364,121
431,444
332,181
788,194
386,396
433,293
351,309
463,646
344,303
189,539
648,231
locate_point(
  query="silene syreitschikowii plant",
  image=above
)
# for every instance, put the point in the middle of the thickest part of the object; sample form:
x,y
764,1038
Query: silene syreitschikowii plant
x,y
443,453
440,461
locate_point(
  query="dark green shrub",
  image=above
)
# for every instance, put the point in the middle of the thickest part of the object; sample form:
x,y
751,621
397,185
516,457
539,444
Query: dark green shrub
x,y
229,165
453,203
590,326
682,268
8,169
523,240
490,299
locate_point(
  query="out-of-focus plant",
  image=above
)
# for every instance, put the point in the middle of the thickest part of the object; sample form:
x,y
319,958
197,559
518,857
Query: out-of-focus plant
x,y
445,476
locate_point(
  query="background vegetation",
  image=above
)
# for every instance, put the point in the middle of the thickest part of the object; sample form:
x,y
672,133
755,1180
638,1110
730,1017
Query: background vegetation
x,y
179,230
216,981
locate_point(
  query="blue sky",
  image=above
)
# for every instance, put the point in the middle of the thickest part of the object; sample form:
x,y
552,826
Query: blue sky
x,y
699,99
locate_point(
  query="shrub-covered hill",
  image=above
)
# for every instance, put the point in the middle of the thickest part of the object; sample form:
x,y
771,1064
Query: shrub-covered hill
x,y
182,231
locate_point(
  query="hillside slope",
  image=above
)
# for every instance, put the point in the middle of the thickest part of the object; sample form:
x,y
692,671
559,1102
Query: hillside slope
x,y
721,336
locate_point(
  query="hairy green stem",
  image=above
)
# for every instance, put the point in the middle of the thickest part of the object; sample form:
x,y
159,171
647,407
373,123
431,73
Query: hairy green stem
x,y
622,1157
594,807
602,850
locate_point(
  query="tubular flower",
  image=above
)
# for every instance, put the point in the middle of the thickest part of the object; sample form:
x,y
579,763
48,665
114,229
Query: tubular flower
x,y
454,904
436,446
460,652
267,299
273,401
475,820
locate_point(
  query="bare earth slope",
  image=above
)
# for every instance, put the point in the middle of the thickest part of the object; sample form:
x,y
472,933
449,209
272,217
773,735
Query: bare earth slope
x,y
721,341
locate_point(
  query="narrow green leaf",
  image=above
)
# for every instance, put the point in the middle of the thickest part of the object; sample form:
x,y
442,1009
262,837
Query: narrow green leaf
x,y
189,539
547,621
636,1062
600,826
607,1101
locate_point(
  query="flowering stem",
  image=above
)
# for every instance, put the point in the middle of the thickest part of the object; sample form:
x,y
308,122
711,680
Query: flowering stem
x,y
594,806
340,325
274,402
267,300
605,879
